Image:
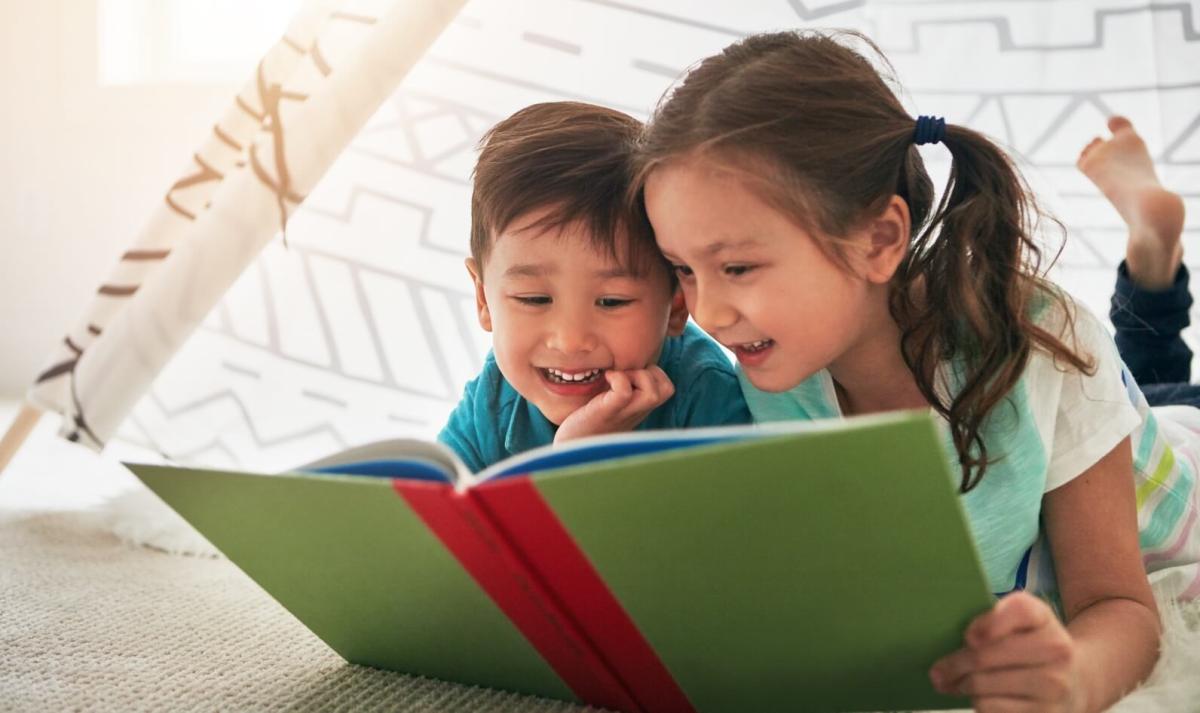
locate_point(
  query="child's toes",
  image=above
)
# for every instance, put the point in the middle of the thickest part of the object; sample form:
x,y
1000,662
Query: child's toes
x,y
1117,123
1090,145
1081,162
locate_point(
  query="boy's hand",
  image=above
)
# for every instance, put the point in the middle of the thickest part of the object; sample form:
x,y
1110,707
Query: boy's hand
x,y
630,397
1018,657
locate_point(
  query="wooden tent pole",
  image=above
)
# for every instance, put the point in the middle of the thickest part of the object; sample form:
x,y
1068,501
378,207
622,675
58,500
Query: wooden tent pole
x,y
20,429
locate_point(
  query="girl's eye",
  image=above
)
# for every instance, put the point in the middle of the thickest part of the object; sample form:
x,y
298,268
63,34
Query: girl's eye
x,y
537,300
738,270
612,302
682,270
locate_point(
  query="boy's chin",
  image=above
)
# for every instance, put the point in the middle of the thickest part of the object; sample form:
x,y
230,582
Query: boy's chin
x,y
556,413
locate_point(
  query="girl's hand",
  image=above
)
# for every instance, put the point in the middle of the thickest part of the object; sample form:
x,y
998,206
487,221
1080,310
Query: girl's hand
x,y
631,396
1018,657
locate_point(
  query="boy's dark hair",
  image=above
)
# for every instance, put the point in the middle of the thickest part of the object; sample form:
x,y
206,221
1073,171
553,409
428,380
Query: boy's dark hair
x,y
572,158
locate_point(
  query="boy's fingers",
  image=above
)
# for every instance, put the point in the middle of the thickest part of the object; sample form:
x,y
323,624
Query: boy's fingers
x,y
618,382
645,394
611,402
642,381
1016,612
666,389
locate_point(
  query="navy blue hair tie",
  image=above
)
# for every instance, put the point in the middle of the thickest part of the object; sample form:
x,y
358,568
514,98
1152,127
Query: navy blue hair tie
x,y
930,130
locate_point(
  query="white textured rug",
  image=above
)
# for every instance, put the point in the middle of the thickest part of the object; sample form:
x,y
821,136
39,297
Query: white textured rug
x,y
90,623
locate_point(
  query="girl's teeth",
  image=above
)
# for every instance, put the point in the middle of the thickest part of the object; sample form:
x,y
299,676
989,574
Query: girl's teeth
x,y
756,346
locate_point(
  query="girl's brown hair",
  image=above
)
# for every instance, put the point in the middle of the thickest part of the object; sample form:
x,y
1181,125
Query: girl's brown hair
x,y
835,145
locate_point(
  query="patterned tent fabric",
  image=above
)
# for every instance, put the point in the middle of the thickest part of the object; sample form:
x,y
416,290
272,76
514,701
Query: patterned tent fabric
x,y
246,181
360,326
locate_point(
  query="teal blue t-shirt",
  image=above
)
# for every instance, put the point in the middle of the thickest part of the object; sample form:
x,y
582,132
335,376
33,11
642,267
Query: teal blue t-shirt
x,y
493,421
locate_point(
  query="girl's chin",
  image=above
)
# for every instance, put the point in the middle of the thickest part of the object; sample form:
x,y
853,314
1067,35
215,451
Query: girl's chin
x,y
771,383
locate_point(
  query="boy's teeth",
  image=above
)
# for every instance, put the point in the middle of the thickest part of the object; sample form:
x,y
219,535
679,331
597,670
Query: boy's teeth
x,y
755,346
577,376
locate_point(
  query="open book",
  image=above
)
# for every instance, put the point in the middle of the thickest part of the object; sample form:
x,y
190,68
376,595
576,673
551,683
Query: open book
x,y
815,566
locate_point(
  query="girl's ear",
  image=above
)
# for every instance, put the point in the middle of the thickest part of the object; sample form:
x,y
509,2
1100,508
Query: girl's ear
x,y
678,317
886,241
481,305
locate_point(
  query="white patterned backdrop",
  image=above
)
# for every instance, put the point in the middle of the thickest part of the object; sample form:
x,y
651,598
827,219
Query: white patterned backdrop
x,y
361,326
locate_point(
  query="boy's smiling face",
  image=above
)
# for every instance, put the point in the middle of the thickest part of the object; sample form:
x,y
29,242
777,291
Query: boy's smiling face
x,y
562,313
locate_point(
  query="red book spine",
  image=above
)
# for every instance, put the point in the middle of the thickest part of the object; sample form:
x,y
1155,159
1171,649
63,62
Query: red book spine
x,y
553,556
470,534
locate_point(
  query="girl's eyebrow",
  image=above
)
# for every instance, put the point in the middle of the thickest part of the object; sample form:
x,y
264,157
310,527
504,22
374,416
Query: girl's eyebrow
x,y
723,245
720,246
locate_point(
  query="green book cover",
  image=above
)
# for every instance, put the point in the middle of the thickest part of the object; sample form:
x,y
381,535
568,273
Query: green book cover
x,y
808,567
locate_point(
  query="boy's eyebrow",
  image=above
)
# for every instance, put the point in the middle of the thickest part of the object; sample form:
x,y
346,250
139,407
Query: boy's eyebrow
x,y
527,270
613,273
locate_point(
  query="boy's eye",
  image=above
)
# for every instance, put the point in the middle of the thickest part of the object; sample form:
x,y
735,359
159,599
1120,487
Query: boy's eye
x,y
533,299
738,270
612,302
682,270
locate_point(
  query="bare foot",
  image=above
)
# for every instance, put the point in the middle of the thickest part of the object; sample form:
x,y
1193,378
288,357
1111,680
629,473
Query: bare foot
x,y
1122,169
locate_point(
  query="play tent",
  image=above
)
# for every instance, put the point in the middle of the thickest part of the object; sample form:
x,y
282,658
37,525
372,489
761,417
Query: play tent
x,y
223,337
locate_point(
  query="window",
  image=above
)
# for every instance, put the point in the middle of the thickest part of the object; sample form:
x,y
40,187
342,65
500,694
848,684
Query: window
x,y
174,41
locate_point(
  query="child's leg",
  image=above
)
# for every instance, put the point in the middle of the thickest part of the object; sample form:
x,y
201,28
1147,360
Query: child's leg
x,y
1172,394
1151,301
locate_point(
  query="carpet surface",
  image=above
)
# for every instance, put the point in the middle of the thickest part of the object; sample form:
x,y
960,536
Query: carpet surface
x,y
90,623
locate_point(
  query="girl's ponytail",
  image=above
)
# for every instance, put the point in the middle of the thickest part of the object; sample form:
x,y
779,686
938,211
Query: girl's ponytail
x,y
965,293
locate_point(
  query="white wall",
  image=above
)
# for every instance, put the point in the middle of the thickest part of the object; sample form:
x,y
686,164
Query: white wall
x,y
81,167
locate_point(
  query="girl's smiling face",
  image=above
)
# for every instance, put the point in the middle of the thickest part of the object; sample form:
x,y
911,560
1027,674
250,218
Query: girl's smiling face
x,y
753,279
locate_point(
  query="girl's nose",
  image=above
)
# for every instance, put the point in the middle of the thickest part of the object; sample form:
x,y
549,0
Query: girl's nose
x,y
712,312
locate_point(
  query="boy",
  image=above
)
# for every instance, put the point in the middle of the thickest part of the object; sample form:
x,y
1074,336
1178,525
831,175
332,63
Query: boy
x,y
589,333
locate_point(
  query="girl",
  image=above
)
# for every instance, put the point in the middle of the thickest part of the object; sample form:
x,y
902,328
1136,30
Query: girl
x,y
784,185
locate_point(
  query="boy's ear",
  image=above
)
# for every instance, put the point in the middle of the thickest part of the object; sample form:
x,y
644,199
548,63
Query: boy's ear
x,y
886,241
678,317
481,305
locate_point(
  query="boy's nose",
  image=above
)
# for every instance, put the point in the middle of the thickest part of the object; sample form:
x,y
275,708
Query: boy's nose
x,y
571,336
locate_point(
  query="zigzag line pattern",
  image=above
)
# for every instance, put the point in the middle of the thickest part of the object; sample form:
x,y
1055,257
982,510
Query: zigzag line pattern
x,y
403,187
1006,42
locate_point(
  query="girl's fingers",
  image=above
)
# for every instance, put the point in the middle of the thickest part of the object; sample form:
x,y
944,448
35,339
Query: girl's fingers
x,y
1033,684
1037,648
1004,704
1014,613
